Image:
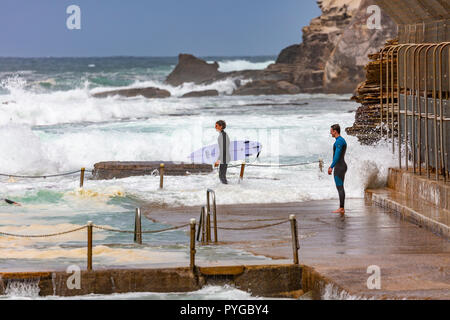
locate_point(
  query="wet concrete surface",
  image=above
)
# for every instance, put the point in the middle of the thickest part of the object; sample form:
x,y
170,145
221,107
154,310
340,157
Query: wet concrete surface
x,y
414,262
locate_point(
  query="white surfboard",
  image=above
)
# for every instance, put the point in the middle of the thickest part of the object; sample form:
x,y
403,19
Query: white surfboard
x,y
239,150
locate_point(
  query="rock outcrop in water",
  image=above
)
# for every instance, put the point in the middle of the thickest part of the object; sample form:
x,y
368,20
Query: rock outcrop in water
x,y
330,59
149,92
204,93
192,69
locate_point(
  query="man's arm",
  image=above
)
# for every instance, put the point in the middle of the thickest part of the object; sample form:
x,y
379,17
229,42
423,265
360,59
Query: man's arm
x,y
337,153
220,142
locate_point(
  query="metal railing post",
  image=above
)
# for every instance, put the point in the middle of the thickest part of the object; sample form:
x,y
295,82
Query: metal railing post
x,y
208,226
388,91
414,113
419,107
203,214
241,174
200,225
294,232
192,246
405,66
214,211
427,147
89,245
436,156
399,138
82,177
137,226
381,87
441,113
161,175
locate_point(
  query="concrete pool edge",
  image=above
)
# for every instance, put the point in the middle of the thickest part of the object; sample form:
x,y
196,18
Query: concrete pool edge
x,y
270,281
260,280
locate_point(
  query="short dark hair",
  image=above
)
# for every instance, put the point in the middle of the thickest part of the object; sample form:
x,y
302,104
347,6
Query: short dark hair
x,y
336,127
222,124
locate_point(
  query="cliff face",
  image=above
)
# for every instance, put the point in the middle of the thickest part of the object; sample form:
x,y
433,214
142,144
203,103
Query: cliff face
x,y
331,57
335,47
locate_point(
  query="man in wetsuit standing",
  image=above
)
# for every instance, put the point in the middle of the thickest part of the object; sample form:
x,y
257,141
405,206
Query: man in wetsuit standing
x,y
224,151
339,165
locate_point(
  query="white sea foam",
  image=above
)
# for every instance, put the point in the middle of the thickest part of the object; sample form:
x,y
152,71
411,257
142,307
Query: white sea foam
x,y
28,291
240,64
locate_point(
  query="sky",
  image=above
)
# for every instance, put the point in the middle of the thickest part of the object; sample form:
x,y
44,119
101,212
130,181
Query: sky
x,y
37,28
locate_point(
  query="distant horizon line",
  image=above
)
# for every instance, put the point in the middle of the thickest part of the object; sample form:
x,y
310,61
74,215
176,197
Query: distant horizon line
x,y
136,56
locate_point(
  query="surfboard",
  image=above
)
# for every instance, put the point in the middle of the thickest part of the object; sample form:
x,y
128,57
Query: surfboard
x,y
239,150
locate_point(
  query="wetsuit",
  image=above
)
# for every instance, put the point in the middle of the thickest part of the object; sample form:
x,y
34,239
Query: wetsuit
x,y
224,155
340,167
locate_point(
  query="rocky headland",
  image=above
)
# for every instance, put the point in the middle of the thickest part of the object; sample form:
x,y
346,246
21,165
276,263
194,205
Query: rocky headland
x,y
330,59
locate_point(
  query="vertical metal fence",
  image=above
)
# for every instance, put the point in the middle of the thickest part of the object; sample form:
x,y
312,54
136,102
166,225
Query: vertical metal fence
x,y
414,106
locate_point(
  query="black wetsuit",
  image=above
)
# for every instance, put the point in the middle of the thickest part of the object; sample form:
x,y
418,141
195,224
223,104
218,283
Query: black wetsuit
x,y
340,167
224,156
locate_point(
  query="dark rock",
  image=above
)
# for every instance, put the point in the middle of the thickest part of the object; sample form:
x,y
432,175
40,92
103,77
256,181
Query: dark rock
x,y
289,55
192,69
266,87
149,92
205,93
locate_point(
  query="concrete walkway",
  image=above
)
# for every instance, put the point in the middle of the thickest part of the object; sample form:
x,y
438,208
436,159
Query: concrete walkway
x,y
414,262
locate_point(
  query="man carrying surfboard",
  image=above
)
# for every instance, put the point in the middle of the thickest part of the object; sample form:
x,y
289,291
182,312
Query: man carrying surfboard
x,y
224,151
339,165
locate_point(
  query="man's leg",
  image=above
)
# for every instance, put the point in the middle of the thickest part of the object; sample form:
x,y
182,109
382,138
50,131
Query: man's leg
x,y
339,180
223,173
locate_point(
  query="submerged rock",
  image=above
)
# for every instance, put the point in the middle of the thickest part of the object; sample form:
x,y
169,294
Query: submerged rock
x,y
205,93
149,92
267,87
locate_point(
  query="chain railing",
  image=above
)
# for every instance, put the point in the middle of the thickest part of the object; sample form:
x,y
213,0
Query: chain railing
x,y
81,171
204,228
206,236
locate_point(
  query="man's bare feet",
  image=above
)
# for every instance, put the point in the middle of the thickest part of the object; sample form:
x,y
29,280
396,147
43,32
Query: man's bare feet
x,y
340,210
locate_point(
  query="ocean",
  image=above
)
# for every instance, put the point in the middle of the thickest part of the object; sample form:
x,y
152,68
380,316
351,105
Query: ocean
x,y
50,123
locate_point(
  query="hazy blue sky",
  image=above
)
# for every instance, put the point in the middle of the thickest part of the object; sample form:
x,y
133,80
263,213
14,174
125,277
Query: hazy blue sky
x,y
31,28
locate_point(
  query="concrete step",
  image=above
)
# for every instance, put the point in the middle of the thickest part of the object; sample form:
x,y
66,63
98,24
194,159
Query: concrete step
x,y
416,210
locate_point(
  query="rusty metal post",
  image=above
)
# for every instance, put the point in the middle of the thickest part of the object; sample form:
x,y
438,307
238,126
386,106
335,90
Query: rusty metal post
x,y
388,91
192,246
208,227
241,174
213,194
405,66
414,113
82,177
441,114
294,232
393,98
399,139
200,223
381,88
427,147
203,213
436,162
161,175
137,226
419,107
89,245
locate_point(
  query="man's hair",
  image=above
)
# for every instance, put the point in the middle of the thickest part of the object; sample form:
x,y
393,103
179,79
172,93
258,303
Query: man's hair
x,y
222,124
336,127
